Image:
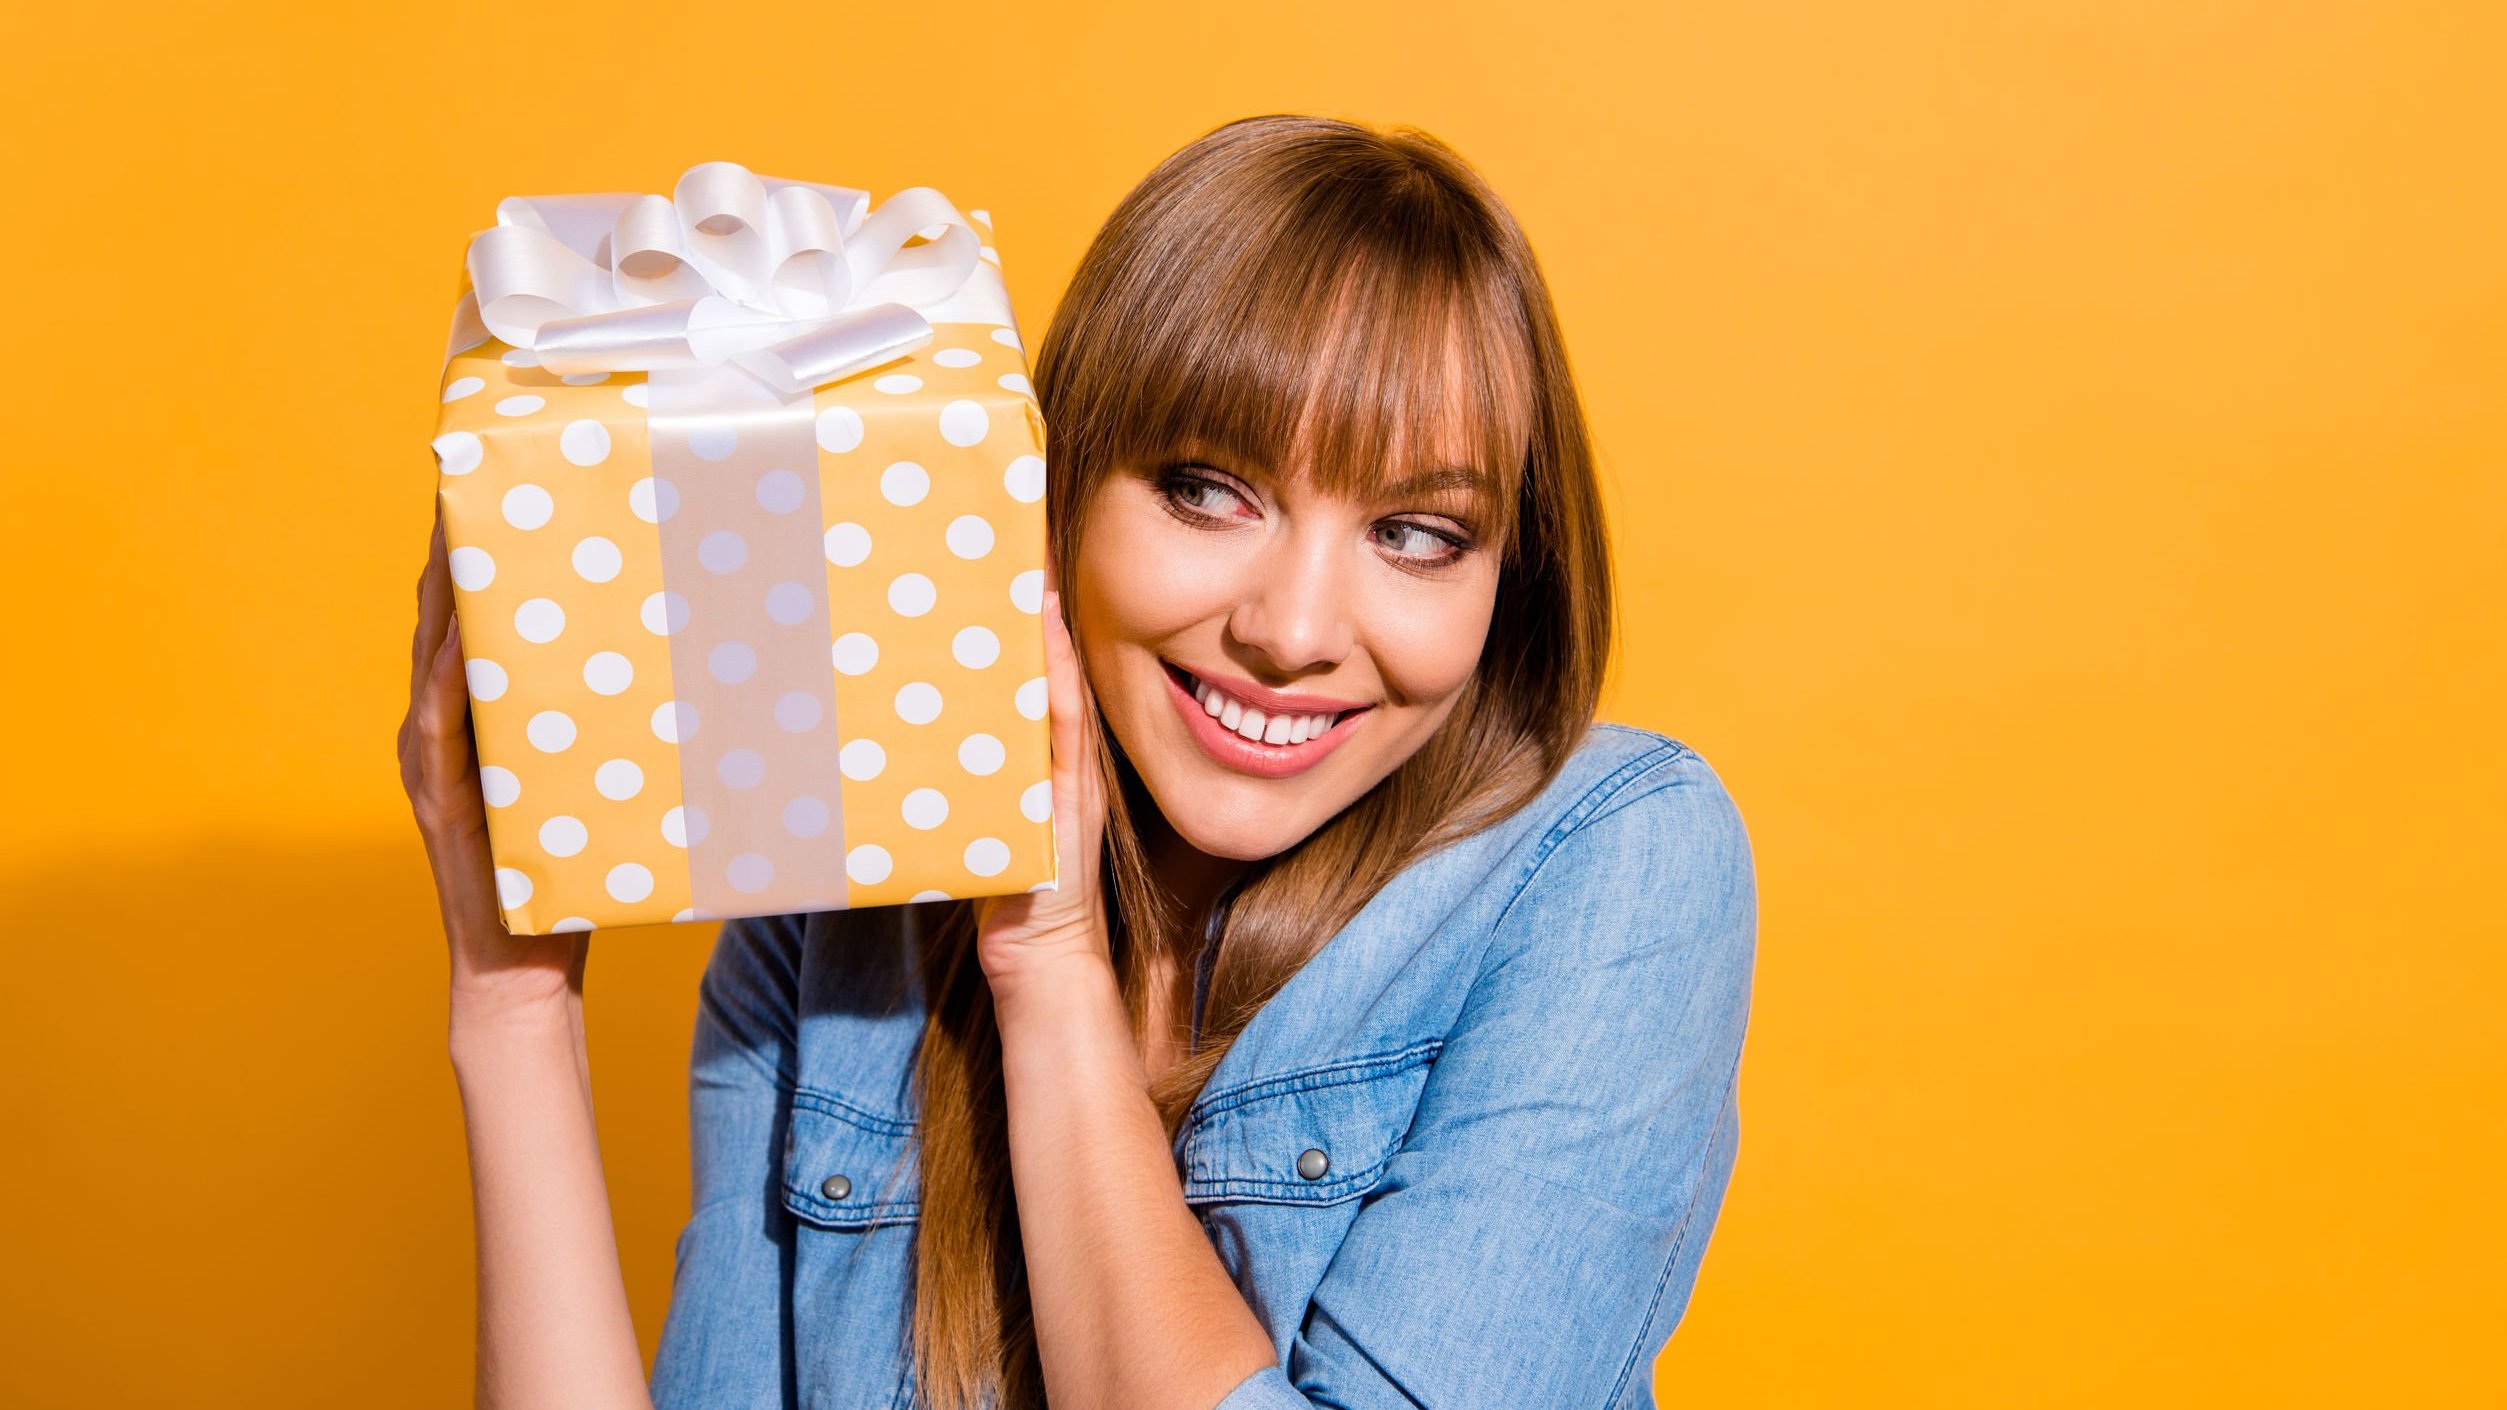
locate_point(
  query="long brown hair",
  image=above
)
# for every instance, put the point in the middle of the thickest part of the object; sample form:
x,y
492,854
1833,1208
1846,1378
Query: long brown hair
x,y
1282,282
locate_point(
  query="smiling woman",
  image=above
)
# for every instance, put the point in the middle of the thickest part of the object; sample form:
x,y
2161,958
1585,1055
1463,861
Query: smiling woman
x,y
1379,1045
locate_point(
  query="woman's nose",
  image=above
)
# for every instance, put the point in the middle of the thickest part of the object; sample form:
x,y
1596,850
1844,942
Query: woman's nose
x,y
1294,607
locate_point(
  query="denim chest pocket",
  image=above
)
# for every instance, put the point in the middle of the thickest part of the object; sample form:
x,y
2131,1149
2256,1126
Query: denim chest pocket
x,y
1320,1135
848,1168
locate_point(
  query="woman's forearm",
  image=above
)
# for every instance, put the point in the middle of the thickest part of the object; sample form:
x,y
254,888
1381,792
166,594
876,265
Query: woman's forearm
x,y
1132,1306
554,1328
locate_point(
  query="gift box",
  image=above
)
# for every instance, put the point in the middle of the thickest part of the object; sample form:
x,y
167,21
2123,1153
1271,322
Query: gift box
x,y
744,494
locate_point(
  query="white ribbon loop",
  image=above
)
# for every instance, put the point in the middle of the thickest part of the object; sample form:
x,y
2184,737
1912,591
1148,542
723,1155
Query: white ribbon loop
x,y
795,283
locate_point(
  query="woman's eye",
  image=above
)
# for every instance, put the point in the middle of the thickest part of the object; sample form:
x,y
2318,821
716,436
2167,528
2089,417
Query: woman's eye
x,y
1421,544
1200,495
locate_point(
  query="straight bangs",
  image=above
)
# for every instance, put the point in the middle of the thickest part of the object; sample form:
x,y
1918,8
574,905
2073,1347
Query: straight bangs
x,y
1349,340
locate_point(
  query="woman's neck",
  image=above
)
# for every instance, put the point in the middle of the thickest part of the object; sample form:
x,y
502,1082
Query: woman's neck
x,y
1193,877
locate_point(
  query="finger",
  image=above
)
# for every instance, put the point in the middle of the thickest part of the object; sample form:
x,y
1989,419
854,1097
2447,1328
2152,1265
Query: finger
x,y
435,603
444,719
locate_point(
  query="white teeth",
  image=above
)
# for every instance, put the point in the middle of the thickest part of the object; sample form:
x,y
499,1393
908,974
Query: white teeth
x,y
1254,724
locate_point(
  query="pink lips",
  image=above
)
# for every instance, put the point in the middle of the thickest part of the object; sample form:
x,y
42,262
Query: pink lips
x,y
1263,760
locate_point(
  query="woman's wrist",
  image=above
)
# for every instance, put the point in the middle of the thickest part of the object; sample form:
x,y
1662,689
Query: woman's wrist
x,y
485,1027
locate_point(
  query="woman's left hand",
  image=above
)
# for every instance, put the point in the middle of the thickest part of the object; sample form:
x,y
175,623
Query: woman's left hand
x,y
1037,930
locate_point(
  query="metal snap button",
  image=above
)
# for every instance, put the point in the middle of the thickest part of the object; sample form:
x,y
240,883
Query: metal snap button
x,y
835,1187
1312,1164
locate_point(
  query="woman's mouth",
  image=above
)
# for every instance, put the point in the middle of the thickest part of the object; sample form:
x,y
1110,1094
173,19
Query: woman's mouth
x,y
1265,742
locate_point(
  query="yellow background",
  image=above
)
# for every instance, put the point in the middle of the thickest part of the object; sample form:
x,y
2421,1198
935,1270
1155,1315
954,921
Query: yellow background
x,y
2056,452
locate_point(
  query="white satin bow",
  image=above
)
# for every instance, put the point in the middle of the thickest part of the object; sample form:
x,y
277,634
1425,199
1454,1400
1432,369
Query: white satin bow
x,y
794,282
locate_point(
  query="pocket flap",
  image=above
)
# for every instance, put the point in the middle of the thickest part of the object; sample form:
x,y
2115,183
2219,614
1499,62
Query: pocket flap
x,y
1316,1136
846,1168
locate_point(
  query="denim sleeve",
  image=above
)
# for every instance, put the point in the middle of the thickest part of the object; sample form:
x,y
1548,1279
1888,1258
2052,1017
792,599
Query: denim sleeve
x,y
1536,1238
727,1337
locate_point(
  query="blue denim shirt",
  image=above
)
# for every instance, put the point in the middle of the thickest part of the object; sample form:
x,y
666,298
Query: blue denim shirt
x,y
1518,1066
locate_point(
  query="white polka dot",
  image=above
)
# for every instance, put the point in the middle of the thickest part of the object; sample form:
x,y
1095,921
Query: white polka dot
x,y
982,215
975,648
741,768
665,613
499,787
1048,884
472,568
550,731
571,923
918,703
839,429
608,673
963,423
897,384
584,442
644,499
1025,479
987,856
487,679
458,452
780,492
562,836
512,887
862,760
805,816
522,405
731,662
521,357
1027,591
1036,804
629,882
597,560
540,619
981,755
749,873
1006,337
930,896
957,357
528,506
1031,699
911,595
868,864
969,536
636,394
988,254
694,828
789,604
712,443
674,721
904,483
618,780
686,914
722,551
798,711
461,387
584,379
925,808
1017,382
855,653
847,544
675,827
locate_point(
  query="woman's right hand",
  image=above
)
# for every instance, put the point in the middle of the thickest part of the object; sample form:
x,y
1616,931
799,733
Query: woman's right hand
x,y
495,975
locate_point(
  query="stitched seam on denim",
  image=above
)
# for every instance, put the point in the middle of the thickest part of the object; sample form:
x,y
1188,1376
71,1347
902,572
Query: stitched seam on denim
x,y
1347,1185
1688,1221
829,1104
1307,1079
1585,808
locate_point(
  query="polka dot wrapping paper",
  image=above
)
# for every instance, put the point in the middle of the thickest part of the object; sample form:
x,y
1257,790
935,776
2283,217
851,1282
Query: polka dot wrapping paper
x,y
805,676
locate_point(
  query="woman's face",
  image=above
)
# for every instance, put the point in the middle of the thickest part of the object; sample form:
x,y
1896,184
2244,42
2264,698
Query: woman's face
x,y
1336,633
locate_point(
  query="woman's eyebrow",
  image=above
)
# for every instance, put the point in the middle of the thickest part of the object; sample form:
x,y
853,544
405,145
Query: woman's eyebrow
x,y
1427,482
